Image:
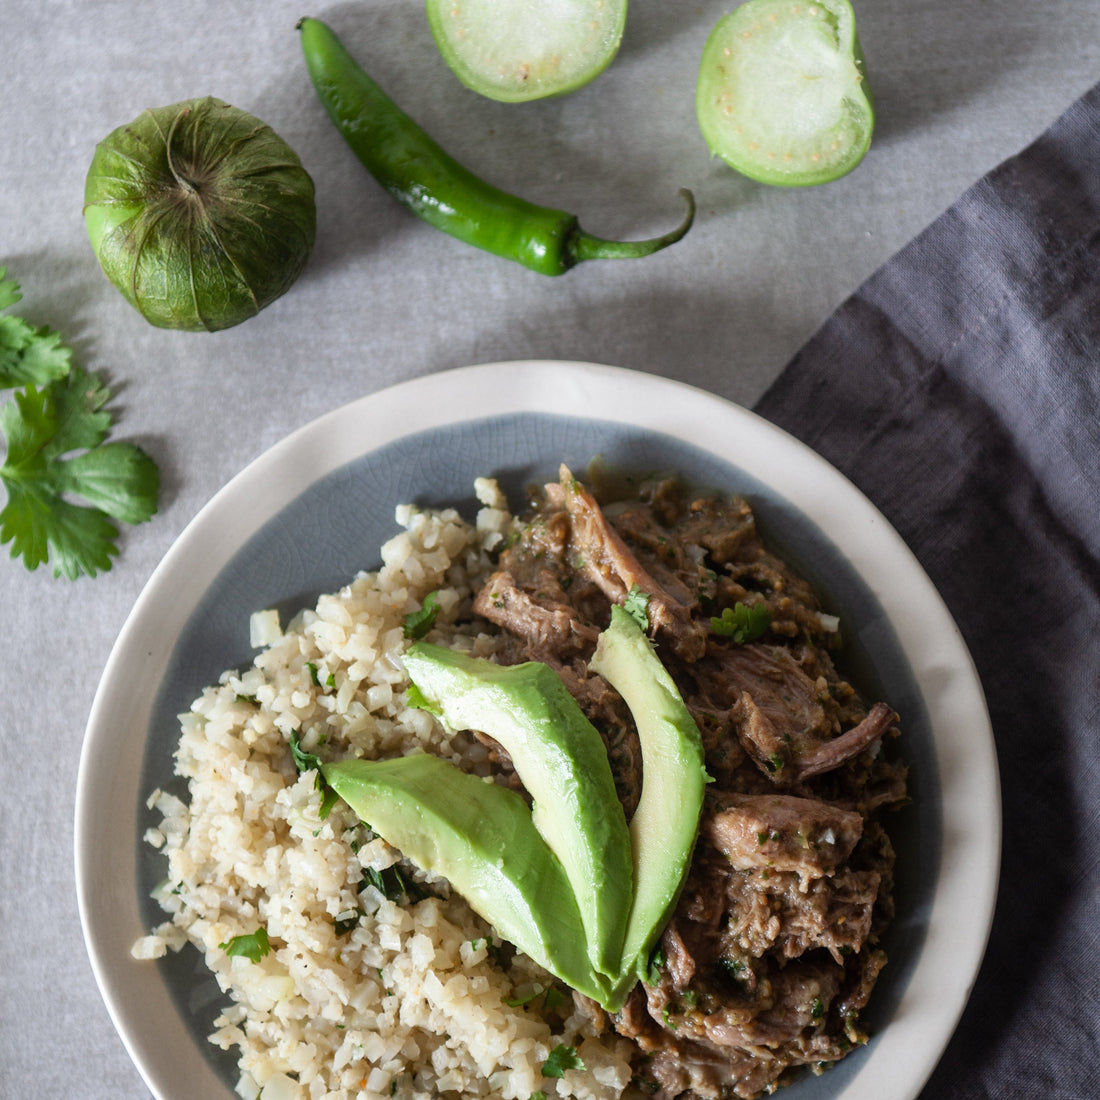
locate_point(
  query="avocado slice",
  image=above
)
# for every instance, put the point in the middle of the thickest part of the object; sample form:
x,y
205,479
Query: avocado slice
x,y
561,760
480,837
664,826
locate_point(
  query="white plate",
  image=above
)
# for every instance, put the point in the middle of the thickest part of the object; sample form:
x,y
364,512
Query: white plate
x,y
307,515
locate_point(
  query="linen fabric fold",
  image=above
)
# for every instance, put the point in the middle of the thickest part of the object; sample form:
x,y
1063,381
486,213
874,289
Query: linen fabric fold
x,y
959,388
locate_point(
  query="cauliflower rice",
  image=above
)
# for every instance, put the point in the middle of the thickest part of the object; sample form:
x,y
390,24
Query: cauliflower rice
x,y
361,996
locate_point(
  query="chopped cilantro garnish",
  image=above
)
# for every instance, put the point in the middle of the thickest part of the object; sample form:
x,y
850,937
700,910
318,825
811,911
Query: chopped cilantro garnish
x,y
388,882
561,1058
817,1008
551,998
516,1002
253,946
310,762
734,968
656,964
537,1095
329,798
315,676
56,429
636,605
742,622
304,761
418,623
391,884
343,925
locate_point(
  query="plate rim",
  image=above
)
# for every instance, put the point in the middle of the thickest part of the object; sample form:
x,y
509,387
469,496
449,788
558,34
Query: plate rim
x,y
513,387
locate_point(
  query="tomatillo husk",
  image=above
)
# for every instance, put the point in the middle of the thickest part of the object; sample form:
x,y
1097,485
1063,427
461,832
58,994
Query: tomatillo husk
x,y
199,213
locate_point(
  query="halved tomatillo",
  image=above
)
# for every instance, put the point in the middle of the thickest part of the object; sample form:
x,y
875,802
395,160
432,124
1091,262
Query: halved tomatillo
x,y
782,95
516,50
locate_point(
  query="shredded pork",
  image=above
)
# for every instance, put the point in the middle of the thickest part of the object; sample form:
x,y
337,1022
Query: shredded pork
x,y
774,946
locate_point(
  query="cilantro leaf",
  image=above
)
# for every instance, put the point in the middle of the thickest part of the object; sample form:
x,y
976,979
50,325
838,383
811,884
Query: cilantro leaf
x,y
27,354
78,418
329,798
656,964
30,355
9,290
561,1058
551,998
304,761
390,883
315,676
82,538
636,605
418,623
253,946
344,925
311,762
118,481
518,1002
742,622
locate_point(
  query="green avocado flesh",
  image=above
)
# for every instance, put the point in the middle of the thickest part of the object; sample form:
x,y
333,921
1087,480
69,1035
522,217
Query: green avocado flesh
x,y
664,827
569,882
561,760
480,837
781,93
516,50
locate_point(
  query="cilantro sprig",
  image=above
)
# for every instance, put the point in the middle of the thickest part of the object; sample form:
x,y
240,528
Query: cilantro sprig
x,y
55,428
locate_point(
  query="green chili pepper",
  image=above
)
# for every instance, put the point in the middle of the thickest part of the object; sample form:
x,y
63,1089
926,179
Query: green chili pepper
x,y
423,177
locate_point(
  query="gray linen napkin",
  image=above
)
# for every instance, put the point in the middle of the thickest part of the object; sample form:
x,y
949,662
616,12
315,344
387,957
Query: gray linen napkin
x,y
959,388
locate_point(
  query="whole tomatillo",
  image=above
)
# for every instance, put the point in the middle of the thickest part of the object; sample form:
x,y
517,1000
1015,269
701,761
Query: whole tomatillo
x,y
199,213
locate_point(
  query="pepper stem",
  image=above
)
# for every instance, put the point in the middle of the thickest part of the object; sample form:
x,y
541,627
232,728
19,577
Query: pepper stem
x,y
584,246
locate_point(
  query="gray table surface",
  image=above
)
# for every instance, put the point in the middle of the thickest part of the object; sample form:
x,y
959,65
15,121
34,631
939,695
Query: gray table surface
x,y
384,298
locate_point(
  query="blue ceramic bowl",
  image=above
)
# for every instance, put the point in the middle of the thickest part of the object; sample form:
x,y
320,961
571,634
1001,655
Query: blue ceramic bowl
x,y
312,512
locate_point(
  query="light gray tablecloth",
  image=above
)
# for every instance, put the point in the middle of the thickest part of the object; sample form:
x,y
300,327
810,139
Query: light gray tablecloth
x,y
959,88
